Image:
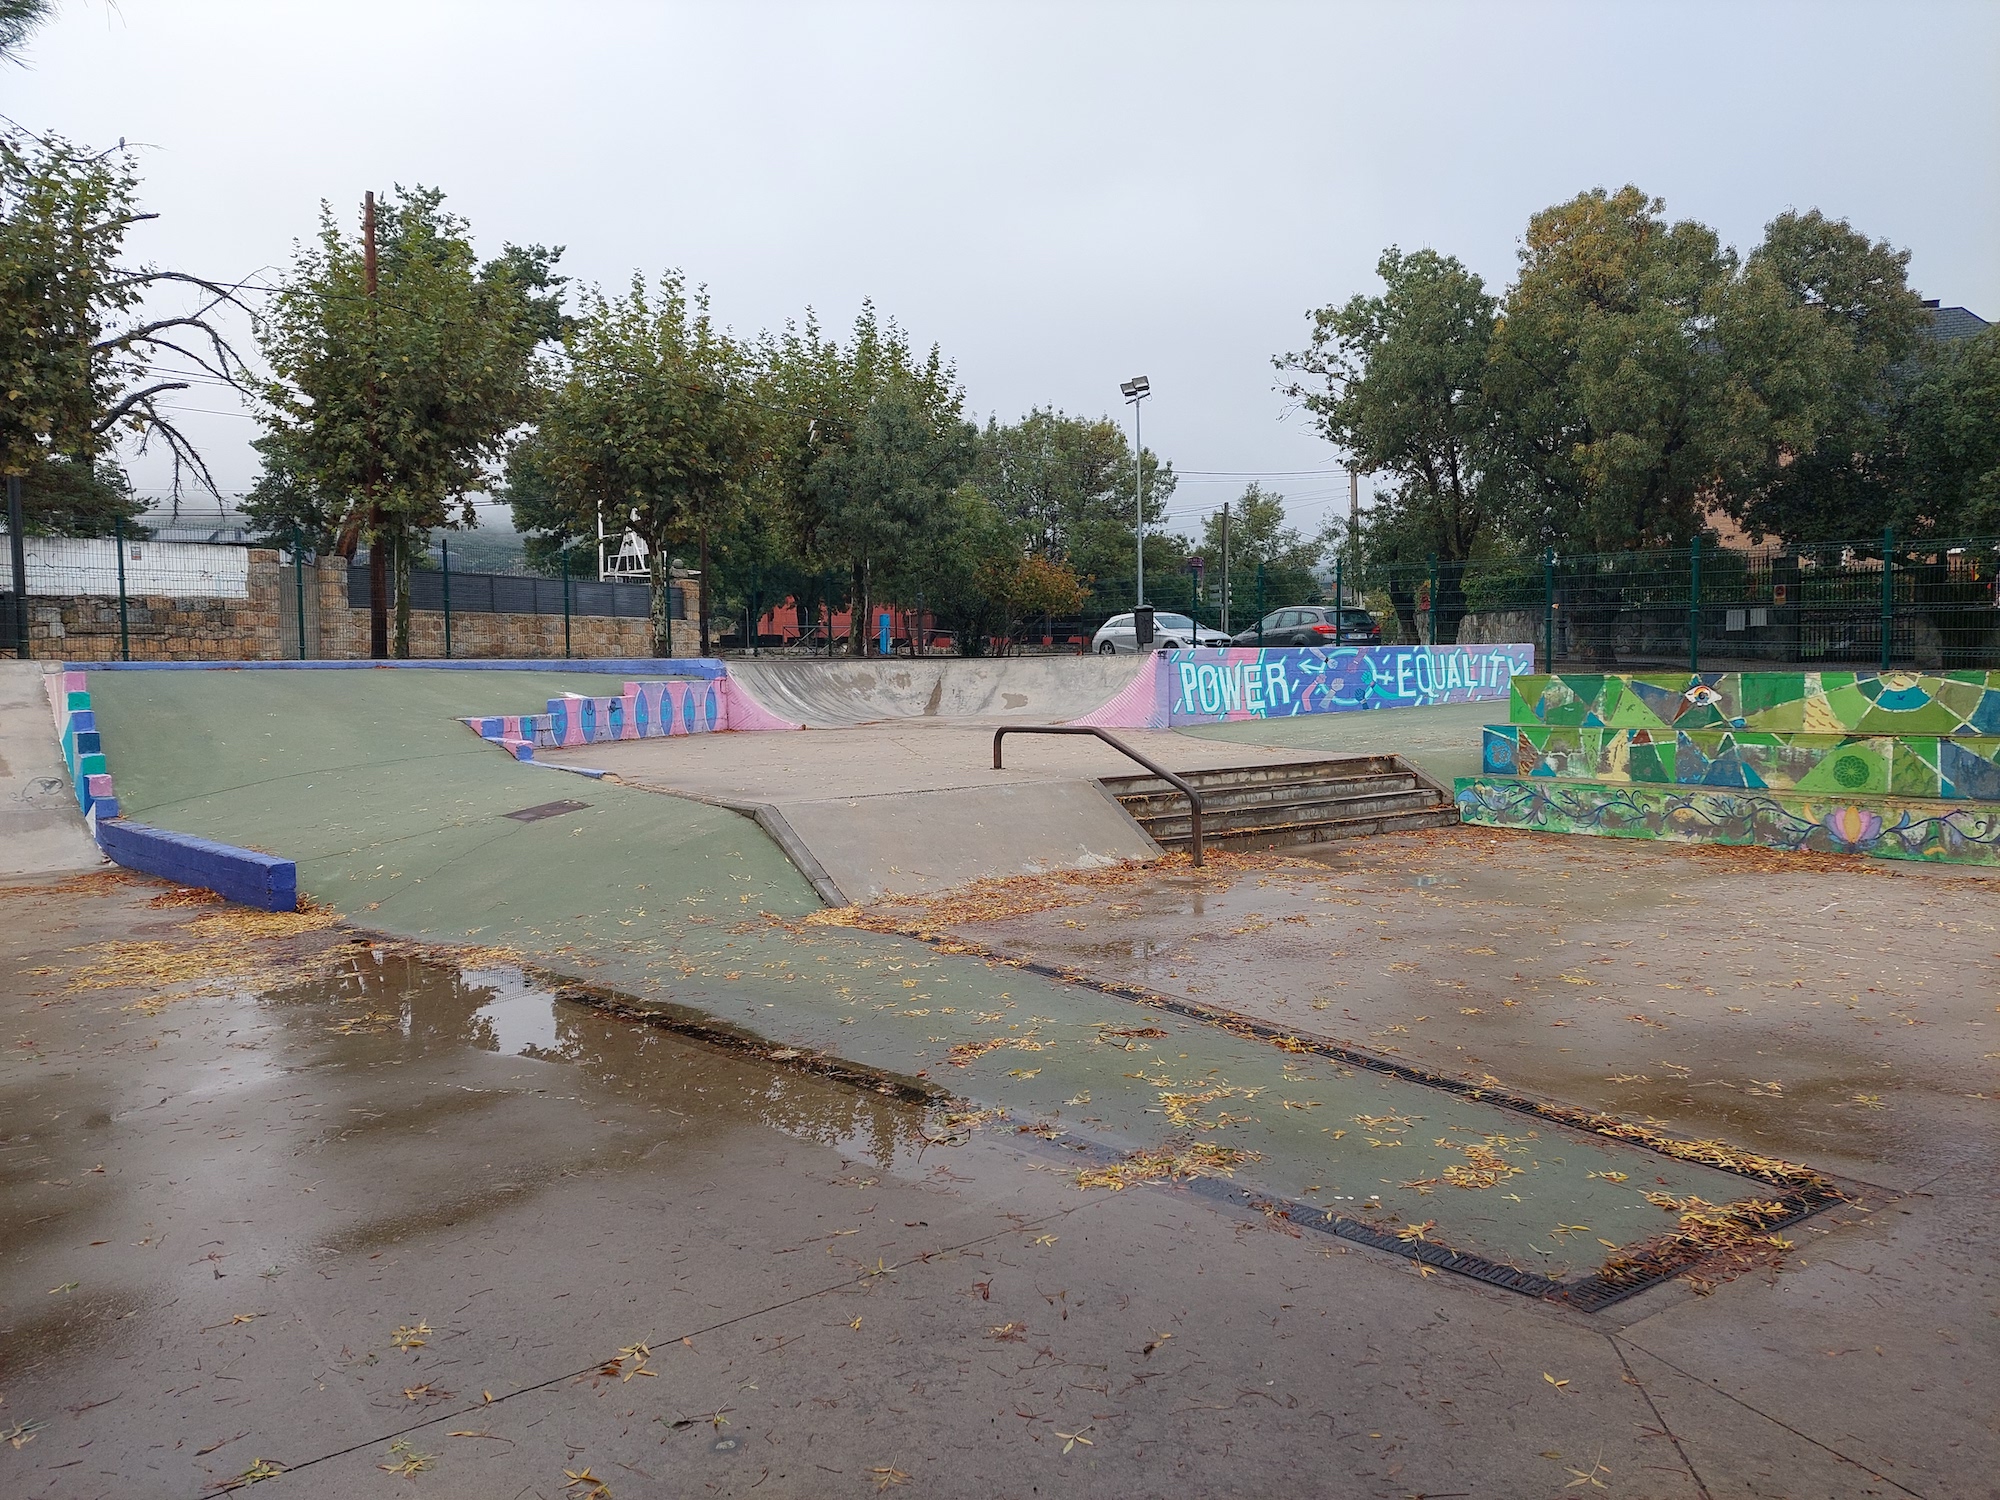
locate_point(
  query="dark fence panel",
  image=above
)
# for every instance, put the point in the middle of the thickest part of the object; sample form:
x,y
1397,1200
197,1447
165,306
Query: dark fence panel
x,y
518,594
1932,604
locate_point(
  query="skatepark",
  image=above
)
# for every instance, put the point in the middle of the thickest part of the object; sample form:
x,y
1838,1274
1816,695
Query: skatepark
x,y
1496,1066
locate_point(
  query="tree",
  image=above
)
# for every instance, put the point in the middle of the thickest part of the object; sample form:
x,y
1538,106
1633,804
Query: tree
x,y
79,363
885,489
1259,538
869,442
653,420
389,404
1818,334
1949,480
17,19
1026,586
1063,482
1398,381
1610,389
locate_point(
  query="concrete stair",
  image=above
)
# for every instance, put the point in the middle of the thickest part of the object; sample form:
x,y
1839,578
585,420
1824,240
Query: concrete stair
x,y
1280,805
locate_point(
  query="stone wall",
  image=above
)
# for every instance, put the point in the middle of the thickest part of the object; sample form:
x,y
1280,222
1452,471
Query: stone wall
x,y
84,627
343,630
263,627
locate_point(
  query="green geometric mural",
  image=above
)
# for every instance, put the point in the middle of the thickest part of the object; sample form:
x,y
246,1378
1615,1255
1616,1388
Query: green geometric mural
x,y
1946,832
1947,703
1838,764
1904,765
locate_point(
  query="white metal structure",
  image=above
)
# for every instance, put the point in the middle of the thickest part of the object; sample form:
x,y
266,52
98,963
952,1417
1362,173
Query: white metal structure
x,y
1119,636
629,561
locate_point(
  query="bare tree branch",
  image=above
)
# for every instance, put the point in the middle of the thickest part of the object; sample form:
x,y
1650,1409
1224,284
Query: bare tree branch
x,y
133,402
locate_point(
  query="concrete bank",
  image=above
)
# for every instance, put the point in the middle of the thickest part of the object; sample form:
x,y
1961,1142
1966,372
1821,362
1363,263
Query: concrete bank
x,y
41,830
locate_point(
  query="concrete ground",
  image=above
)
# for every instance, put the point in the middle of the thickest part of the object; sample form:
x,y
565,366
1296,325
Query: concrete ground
x,y
913,805
373,1225
423,1177
40,831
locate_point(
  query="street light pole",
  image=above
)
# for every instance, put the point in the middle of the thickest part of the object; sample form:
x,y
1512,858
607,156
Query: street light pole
x,y
1137,389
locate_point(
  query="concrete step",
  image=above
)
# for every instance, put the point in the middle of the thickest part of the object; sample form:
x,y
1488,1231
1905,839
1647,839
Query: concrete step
x,y
1271,774
1167,826
1272,806
1221,799
1296,834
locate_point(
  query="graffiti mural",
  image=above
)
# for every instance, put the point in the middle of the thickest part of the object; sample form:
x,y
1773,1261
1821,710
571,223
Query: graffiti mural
x,y
1946,703
1961,833
1218,686
1837,765
1901,765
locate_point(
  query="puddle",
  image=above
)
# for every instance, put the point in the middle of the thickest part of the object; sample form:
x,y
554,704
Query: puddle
x,y
380,1006
1063,1059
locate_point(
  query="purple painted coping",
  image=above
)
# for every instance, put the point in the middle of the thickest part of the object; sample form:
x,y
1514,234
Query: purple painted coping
x,y
662,666
241,875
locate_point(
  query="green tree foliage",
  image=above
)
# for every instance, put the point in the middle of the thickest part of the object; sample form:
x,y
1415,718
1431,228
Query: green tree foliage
x,y
869,441
653,425
1949,480
78,355
17,19
1398,381
1818,334
1065,483
1611,398
1259,538
387,411
1029,586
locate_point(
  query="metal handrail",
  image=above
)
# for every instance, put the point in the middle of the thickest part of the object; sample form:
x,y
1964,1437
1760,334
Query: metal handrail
x,y
1194,797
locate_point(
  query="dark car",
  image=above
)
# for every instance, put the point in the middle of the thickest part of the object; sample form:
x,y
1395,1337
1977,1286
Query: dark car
x,y
1314,625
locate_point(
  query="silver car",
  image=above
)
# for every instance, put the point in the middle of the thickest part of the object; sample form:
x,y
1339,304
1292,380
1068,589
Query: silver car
x,y
1170,633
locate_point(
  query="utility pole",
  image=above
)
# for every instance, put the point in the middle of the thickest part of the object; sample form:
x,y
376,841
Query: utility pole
x,y
1225,567
17,546
1353,519
378,556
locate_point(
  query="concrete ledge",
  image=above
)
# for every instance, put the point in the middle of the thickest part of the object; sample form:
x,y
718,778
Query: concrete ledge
x,y
241,875
689,666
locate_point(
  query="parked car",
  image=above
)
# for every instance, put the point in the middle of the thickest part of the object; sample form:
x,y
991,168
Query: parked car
x,y
1315,625
1170,633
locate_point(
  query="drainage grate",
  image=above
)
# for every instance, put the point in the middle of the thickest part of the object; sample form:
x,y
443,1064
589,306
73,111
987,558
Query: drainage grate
x,y
545,810
1592,1293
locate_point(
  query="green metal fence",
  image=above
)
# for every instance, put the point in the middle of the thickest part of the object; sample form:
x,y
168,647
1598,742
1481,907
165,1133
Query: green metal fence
x,y
1931,604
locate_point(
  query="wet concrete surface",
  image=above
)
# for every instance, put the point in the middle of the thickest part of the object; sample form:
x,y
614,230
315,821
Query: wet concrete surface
x,y
401,1227
1840,1012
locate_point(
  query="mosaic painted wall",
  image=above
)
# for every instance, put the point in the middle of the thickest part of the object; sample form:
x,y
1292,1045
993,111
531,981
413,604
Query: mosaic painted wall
x,y
1242,682
641,711
1835,765
1948,703
1960,833
1900,765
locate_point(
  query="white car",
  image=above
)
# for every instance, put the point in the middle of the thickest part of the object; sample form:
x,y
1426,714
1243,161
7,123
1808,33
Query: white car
x,y
1170,633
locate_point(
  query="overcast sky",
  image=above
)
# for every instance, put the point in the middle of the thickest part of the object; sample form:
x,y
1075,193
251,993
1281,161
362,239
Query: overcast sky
x,y
1061,196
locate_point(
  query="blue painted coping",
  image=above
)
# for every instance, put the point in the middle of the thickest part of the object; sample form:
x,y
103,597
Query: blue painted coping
x,y
241,875
657,666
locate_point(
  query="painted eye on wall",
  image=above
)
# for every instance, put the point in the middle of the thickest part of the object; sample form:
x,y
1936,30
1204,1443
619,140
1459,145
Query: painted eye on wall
x,y
1703,696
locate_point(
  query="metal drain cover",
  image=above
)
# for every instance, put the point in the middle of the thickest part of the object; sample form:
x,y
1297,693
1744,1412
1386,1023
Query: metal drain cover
x,y
545,810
